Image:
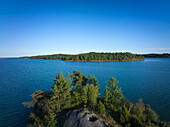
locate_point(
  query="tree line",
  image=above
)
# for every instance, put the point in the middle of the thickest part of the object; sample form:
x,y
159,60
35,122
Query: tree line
x,y
79,91
164,55
92,57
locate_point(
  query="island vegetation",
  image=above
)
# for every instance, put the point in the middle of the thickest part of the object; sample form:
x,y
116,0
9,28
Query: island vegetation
x,y
77,91
92,57
153,55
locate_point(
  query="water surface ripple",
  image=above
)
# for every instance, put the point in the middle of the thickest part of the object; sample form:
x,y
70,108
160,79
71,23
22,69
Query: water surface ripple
x,y
19,78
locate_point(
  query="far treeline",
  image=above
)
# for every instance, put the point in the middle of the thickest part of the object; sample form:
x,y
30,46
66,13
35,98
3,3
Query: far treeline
x,y
93,57
164,55
77,91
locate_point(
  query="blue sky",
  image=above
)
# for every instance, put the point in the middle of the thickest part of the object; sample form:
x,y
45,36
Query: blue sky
x,y
32,27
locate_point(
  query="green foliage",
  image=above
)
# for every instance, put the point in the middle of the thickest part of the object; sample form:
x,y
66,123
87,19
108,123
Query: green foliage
x,y
110,118
61,98
164,124
164,55
85,95
92,80
113,95
35,121
92,96
50,119
36,96
92,57
47,105
76,98
139,108
106,96
136,122
150,114
125,116
92,91
122,119
115,92
79,80
101,108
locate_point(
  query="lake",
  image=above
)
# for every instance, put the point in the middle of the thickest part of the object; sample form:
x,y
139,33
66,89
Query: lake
x,y
19,78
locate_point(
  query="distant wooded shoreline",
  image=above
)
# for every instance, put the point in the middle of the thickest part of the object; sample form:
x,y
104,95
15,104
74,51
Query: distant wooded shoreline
x,y
92,57
100,57
59,56
164,55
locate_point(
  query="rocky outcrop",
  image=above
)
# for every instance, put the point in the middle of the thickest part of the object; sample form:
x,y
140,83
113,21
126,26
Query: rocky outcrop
x,y
82,118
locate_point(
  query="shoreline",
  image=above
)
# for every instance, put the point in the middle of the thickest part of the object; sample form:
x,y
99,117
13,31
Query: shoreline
x,y
89,61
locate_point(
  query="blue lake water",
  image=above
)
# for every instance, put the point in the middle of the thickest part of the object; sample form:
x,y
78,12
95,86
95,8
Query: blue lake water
x,y
19,78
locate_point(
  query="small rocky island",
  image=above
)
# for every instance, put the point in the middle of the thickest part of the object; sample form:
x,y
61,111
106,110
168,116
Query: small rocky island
x,y
74,101
92,57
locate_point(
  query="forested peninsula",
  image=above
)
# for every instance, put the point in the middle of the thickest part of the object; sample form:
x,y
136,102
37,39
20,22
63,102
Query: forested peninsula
x,y
78,95
92,57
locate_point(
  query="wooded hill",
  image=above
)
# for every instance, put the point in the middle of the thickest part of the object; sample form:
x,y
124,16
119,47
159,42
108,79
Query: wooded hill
x,y
77,91
92,57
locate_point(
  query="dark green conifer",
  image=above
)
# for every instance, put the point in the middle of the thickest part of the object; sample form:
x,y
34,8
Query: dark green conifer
x,y
61,93
115,93
101,108
48,105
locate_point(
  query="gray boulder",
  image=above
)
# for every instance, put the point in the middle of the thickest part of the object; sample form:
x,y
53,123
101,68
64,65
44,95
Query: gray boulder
x,y
83,118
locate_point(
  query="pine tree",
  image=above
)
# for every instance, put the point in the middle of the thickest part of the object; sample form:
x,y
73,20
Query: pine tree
x,y
106,96
54,101
50,119
92,96
76,98
125,116
92,91
150,114
85,95
92,80
36,97
61,93
101,108
115,93
79,81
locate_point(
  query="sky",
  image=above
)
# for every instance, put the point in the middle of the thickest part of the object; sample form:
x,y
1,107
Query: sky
x,y
36,27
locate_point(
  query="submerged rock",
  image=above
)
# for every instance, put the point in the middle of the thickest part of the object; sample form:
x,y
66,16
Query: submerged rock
x,y
83,118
